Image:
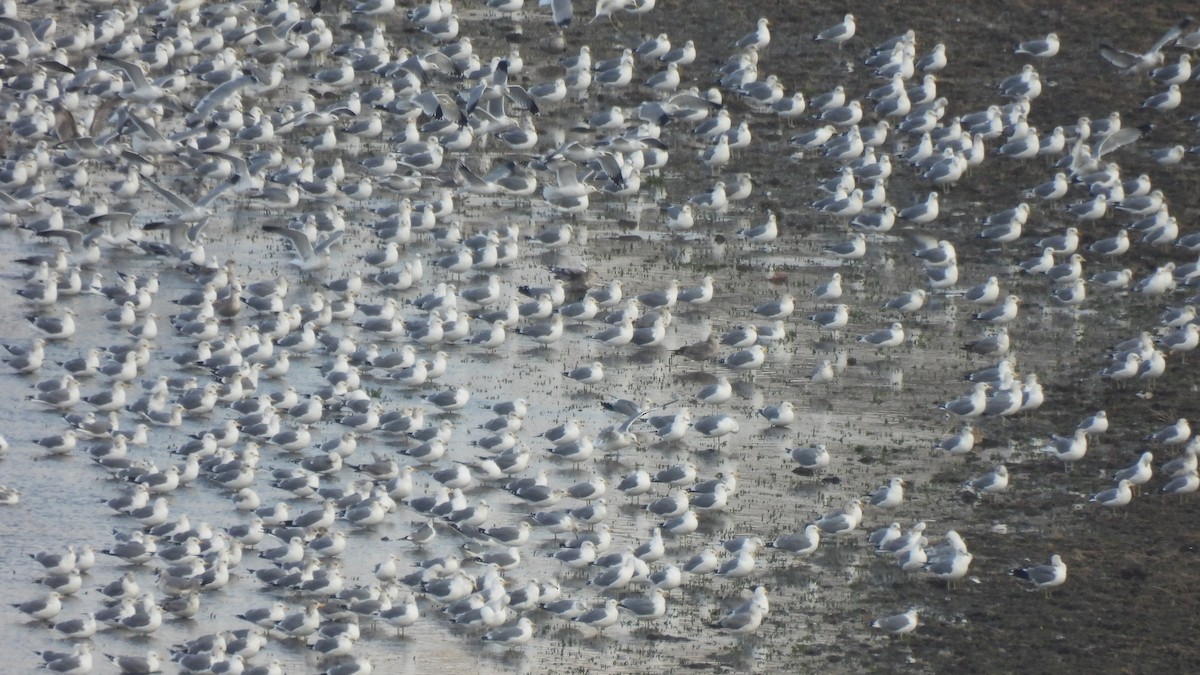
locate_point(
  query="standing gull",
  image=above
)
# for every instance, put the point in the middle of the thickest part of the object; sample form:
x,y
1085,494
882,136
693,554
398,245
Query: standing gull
x,y
1044,577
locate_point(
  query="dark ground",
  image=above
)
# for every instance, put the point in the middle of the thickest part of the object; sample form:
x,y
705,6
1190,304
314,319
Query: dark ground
x,y
1130,602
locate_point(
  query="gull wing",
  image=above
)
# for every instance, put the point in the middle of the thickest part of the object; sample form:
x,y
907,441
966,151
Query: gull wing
x,y
179,202
324,244
218,95
1168,37
1119,57
1121,138
135,72
300,241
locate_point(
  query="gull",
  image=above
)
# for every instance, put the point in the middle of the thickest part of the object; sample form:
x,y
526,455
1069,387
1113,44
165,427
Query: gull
x,y
741,620
994,481
815,138
761,234
1164,101
665,81
1183,484
838,34
42,294
1174,434
741,565
746,359
1042,48
1053,143
77,662
717,392
922,212
992,345
1182,465
1162,233
1000,314
822,372
1139,474
400,615
1040,264
843,116
714,127
1161,280
898,624
514,635
1092,209
889,495
1176,73
759,38
1095,424
190,212
907,302
780,308
1003,232
940,254
851,250
44,609
883,338
834,319
311,255
763,95
842,520
1114,497
636,483
554,237
1067,448
716,426
1182,339
30,361
588,490
1123,369
615,335
1170,156
647,608
1044,577
878,223
780,415
1070,295
654,47
1142,205
589,374
683,524
697,295
675,503
138,88
576,451
830,290
1111,246
678,217
1130,63
942,276
567,432
800,544
600,617
150,663
713,200
950,561
667,297
933,62
740,336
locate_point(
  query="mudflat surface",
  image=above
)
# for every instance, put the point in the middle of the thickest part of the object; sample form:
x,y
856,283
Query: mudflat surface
x,y
1128,602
